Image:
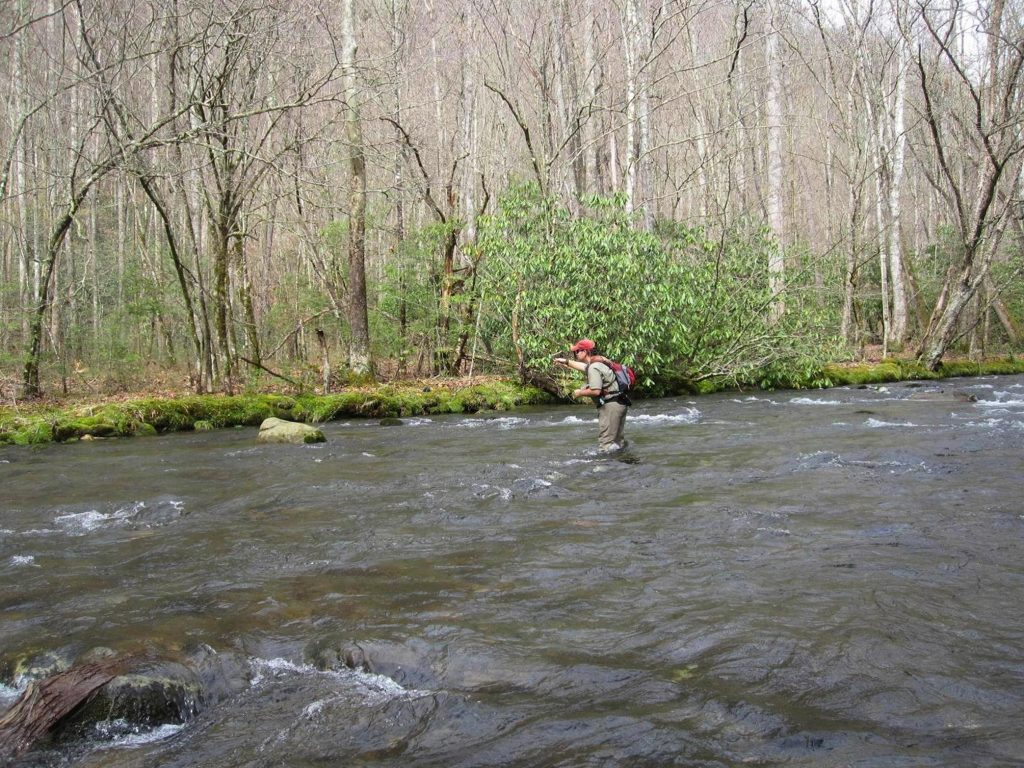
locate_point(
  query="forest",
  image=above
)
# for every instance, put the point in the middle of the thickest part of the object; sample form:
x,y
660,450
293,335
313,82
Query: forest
x,y
224,193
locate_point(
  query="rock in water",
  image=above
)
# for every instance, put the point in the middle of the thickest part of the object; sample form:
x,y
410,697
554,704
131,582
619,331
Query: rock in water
x,y
154,693
280,431
46,702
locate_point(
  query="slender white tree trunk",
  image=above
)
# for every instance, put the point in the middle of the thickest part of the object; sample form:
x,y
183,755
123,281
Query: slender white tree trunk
x,y
848,327
591,78
435,58
704,191
631,48
468,132
773,115
880,221
639,175
644,154
896,270
21,188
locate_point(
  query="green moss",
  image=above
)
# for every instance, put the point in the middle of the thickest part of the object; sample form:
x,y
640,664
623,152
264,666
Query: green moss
x,y
1004,367
314,409
867,373
397,402
33,431
707,387
200,412
909,370
966,368
833,375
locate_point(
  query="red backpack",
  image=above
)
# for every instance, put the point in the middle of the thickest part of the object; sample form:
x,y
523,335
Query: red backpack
x,y
624,375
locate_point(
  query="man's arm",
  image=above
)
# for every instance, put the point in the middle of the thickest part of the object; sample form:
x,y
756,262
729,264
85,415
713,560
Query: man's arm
x,y
575,364
582,368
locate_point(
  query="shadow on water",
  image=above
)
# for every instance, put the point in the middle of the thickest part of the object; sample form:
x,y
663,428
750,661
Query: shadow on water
x,y
810,579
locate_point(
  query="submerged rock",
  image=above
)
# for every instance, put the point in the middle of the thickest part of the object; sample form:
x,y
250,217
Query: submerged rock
x,y
274,430
151,695
941,395
46,703
327,655
221,675
102,694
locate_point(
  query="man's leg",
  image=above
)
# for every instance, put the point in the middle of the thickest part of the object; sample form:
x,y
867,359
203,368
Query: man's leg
x,y
610,421
620,433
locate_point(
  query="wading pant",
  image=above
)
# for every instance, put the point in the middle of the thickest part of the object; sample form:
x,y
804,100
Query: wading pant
x,y
611,421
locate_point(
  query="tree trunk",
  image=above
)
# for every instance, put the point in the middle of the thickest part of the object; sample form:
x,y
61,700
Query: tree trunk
x,y
180,271
944,329
399,182
44,292
222,297
252,333
46,702
996,112
591,183
632,44
773,115
359,327
897,273
1010,325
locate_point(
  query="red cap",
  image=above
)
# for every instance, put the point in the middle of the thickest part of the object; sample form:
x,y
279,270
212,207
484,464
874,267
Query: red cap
x,y
585,344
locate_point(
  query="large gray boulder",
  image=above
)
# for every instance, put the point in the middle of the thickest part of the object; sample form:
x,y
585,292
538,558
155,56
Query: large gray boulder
x,y
280,431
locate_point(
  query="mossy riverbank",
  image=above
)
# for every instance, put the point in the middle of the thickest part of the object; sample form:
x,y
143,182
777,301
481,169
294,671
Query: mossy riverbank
x,y
31,424
908,370
37,423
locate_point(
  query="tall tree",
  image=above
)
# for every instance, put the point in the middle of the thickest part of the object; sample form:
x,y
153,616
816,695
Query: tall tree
x,y
359,359
776,183
637,48
992,129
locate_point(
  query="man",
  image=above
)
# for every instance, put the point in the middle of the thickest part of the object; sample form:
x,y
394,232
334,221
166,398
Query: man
x,y
603,387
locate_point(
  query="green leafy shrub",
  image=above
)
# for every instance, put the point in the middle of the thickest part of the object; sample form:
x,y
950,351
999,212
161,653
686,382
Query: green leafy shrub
x,y
551,278
682,309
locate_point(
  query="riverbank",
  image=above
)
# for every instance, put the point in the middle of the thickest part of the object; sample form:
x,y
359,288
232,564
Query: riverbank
x,y
34,423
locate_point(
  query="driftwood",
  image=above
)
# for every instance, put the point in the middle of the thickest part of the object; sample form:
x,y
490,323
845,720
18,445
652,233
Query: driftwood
x,y
46,702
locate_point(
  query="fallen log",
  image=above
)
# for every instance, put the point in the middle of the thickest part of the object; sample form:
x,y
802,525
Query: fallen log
x,y
46,702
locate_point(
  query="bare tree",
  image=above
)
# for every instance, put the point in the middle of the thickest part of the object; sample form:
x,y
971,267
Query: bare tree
x,y
637,43
774,128
208,142
359,345
91,155
990,91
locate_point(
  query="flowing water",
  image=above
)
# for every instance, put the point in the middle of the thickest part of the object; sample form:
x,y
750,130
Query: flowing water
x,y
823,578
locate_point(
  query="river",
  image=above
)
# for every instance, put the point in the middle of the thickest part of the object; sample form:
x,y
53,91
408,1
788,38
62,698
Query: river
x,y
821,578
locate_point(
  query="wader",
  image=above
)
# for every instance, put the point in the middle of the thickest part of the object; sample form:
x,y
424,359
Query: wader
x,y
611,421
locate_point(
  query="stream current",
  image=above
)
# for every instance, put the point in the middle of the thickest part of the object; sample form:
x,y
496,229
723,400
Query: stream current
x,y
825,578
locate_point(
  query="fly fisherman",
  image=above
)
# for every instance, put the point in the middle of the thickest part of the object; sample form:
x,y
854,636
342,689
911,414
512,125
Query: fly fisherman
x,y
602,386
